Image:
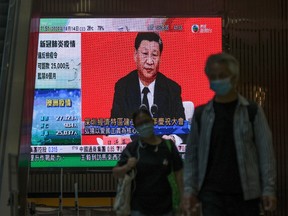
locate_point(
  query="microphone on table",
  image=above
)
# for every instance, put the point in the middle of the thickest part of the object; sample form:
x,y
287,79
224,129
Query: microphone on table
x,y
143,107
154,109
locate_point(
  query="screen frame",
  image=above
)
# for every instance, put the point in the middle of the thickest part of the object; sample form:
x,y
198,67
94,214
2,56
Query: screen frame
x,y
32,59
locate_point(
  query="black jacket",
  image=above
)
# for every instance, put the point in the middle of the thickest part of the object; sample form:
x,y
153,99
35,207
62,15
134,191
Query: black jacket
x,y
127,97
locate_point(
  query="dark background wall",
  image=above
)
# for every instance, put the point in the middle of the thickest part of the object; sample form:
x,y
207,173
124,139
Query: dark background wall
x,y
255,31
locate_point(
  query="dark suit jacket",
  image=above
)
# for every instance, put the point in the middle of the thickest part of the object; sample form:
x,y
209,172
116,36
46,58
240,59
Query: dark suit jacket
x,y
127,97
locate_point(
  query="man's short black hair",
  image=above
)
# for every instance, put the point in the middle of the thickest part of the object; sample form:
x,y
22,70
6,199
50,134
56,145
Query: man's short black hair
x,y
138,112
149,36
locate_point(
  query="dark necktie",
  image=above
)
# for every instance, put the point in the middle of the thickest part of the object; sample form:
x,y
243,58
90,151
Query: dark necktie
x,y
145,91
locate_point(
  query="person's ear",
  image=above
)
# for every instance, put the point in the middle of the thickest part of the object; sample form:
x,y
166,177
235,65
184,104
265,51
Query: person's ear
x,y
135,55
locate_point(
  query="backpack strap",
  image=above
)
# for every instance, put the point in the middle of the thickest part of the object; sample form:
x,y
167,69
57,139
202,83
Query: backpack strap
x,y
169,146
127,152
133,150
168,143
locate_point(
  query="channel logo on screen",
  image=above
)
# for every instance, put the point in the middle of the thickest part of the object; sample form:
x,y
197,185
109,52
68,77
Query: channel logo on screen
x,y
195,28
202,28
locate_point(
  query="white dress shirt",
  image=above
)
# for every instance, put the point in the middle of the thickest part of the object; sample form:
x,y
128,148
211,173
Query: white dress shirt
x,y
150,95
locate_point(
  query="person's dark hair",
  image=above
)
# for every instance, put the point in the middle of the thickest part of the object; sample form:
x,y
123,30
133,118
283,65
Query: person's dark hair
x,y
223,58
149,36
138,112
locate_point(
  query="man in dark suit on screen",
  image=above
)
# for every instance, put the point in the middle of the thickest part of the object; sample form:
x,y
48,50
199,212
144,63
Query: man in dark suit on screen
x,y
146,87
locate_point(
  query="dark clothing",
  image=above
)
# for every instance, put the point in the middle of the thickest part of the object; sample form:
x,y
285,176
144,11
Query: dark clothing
x,y
222,170
127,97
255,154
215,204
152,193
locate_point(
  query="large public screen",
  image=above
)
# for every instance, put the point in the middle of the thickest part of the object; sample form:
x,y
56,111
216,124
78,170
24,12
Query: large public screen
x,y
91,74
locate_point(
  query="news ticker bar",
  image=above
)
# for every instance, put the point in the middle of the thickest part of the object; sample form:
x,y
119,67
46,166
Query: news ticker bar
x,y
73,149
107,25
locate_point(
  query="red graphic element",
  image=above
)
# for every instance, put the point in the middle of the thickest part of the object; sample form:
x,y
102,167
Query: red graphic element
x,y
107,57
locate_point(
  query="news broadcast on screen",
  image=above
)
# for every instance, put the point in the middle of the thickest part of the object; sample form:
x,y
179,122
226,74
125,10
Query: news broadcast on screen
x,y
89,75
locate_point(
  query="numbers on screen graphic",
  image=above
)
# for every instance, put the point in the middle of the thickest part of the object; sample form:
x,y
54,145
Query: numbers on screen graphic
x,y
90,28
66,118
178,27
70,125
66,133
162,27
52,149
58,66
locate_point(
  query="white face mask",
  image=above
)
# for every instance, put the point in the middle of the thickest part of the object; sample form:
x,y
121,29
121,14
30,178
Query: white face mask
x,y
146,130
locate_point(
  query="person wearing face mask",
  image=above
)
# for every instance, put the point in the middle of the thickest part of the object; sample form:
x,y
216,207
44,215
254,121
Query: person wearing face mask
x,y
153,161
229,163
